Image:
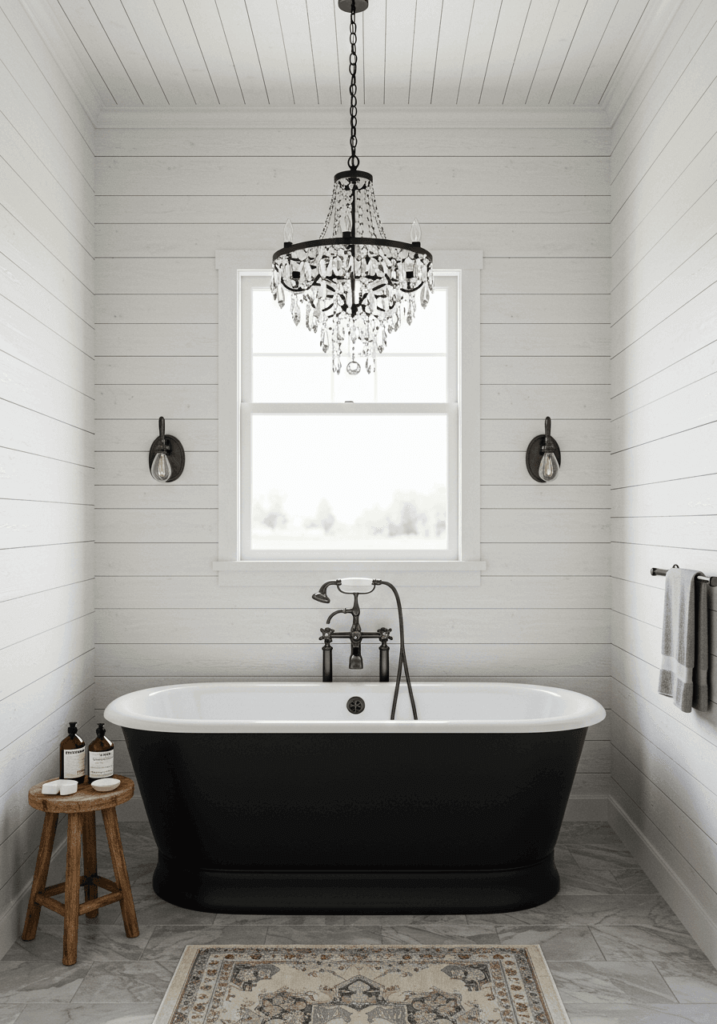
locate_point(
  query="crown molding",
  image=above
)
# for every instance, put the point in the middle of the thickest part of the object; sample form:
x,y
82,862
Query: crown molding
x,y
335,118
653,25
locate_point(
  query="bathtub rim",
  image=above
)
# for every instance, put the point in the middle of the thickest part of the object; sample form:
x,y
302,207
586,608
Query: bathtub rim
x,y
586,712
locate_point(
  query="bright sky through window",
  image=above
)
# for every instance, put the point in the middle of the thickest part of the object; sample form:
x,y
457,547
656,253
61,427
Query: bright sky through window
x,y
331,463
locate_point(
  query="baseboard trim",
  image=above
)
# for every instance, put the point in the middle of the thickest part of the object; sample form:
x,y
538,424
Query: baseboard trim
x,y
13,920
701,925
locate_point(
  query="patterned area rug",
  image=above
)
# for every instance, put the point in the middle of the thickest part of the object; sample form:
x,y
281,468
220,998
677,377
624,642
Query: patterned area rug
x,y
362,985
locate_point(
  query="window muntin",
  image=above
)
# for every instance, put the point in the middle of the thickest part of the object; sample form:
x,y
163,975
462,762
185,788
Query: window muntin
x,y
333,465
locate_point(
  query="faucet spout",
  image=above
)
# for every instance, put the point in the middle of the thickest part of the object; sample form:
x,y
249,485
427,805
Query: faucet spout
x,y
356,659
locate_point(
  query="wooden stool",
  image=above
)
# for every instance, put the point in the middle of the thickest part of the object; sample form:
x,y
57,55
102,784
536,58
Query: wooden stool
x,y
80,809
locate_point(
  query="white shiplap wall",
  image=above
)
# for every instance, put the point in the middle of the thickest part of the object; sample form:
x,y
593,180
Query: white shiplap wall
x,y
46,435
664,475
536,202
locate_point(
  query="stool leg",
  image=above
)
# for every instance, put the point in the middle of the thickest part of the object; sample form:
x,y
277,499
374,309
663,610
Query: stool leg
x,y
42,866
72,889
114,842
89,849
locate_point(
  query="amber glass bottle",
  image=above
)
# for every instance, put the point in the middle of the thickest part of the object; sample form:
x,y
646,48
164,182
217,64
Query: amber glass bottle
x,y
72,755
100,756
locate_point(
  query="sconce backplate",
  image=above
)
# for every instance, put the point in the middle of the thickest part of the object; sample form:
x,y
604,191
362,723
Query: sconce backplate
x,y
533,455
175,455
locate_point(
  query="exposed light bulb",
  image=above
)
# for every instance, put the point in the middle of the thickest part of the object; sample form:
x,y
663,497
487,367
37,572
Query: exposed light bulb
x,y
161,468
346,223
548,468
288,233
415,231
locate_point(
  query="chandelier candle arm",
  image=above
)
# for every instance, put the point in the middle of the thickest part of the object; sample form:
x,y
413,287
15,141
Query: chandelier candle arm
x,y
352,286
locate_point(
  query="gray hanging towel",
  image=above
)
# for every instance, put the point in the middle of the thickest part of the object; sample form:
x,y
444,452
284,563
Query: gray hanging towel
x,y
685,640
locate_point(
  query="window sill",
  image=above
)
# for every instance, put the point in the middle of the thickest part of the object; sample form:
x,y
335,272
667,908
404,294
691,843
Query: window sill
x,y
244,574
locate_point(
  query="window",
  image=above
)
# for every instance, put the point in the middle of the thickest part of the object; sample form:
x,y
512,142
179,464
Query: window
x,y
316,466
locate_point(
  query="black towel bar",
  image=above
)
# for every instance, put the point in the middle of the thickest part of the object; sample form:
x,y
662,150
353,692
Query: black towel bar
x,y
712,580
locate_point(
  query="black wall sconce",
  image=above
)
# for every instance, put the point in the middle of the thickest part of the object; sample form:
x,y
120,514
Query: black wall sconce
x,y
542,456
166,457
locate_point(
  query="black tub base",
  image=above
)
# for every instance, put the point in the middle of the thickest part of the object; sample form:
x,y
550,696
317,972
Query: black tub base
x,y
355,823
357,892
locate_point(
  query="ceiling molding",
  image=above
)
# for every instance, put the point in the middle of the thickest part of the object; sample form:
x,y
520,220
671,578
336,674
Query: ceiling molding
x,y
335,118
54,36
649,33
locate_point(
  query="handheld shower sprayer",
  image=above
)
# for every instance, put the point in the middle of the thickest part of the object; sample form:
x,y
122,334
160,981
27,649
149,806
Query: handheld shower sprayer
x,y
321,595
363,585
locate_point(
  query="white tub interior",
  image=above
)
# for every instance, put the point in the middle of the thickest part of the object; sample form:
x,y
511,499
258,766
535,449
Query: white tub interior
x,y
321,707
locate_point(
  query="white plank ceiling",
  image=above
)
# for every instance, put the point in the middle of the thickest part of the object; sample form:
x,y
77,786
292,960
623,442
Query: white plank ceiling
x,y
283,53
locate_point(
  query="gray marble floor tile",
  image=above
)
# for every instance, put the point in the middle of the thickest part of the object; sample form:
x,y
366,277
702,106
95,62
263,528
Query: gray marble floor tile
x,y
97,940
98,1013
633,880
305,936
627,1013
168,942
434,929
581,881
273,920
573,943
151,910
428,935
694,982
610,982
9,1014
39,981
141,873
572,831
646,942
593,841
612,909
563,855
117,981
600,856
455,923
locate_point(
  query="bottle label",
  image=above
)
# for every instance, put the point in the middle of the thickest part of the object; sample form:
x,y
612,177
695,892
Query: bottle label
x,y
73,763
102,764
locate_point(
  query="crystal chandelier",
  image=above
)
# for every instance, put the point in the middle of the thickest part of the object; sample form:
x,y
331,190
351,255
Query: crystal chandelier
x,y
355,285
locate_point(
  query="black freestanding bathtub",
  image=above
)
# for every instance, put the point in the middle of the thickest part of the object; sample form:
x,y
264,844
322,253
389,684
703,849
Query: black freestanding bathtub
x,y
274,797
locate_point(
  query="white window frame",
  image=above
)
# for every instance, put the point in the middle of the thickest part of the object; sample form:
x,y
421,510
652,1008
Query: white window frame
x,y
231,568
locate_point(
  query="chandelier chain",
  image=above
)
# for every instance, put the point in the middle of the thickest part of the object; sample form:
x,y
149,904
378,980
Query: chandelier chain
x,y
353,160
352,286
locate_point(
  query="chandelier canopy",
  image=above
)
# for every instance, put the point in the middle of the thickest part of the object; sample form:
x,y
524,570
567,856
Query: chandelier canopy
x,y
355,285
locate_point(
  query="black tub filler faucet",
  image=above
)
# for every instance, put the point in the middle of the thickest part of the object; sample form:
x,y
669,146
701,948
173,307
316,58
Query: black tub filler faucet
x,y
356,635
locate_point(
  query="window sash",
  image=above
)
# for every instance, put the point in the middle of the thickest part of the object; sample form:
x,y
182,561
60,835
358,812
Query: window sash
x,y
443,279
247,413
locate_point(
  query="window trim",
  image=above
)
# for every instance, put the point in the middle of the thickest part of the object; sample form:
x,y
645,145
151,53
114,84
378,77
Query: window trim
x,y
233,571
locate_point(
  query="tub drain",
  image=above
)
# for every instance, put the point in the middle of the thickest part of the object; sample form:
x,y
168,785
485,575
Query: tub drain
x,y
355,705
